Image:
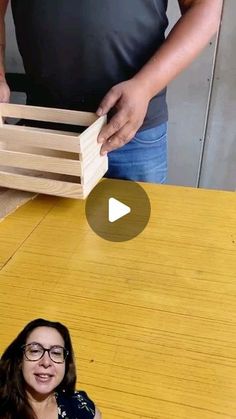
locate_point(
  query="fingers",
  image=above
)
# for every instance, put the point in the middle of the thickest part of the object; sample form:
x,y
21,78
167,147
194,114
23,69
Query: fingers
x,y
4,98
109,101
116,123
119,139
4,92
130,106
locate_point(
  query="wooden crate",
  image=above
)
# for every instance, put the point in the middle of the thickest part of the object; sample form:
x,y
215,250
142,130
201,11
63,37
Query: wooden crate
x,y
49,161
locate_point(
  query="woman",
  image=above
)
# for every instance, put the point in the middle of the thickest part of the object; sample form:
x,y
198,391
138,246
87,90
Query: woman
x,y
38,377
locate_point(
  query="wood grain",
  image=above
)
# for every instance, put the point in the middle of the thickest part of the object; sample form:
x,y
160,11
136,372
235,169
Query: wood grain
x,y
37,113
33,161
41,185
17,135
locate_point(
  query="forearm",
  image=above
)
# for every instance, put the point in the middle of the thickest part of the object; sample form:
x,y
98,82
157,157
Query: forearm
x,y
2,51
3,7
188,37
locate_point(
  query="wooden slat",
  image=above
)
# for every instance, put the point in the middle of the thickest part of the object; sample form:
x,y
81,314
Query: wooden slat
x,y
93,155
90,170
89,136
42,163
39,185
37,113
54,131
90,152
16,134
91,183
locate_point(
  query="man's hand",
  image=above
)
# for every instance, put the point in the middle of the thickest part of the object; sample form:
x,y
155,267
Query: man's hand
x,y
4,92
130,102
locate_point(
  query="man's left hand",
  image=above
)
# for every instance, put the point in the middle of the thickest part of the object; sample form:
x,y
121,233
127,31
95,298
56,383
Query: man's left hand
x,y
130,102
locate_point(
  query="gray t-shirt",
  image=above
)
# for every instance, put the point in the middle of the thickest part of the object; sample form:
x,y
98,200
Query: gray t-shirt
x,y
75,51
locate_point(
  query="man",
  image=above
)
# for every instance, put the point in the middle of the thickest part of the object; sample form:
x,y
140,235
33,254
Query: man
x,y
111,56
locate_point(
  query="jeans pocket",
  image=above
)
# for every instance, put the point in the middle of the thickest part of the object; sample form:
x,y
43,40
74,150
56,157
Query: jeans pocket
x,y
151,135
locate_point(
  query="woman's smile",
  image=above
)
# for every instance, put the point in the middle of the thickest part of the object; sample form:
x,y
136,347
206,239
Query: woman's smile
x,y
43,377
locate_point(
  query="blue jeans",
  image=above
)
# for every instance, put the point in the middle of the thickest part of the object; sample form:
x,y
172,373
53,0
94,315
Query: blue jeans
x,y
143,159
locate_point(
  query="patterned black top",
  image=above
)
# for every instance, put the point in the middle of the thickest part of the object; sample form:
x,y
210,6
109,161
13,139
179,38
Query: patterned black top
x,y
77,406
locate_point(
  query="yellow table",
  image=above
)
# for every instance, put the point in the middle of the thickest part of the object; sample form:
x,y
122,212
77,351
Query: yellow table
x,y
153,320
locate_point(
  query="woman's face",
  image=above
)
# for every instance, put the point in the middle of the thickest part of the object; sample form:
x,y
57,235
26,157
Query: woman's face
x,y
44,375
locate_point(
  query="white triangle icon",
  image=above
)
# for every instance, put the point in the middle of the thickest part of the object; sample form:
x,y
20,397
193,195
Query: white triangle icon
x,y
117,210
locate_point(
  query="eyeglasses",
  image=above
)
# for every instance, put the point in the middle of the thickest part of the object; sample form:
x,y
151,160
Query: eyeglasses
x,y
35,351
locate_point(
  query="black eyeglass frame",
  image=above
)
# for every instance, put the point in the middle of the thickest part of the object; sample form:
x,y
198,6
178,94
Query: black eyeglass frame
x,y
65,351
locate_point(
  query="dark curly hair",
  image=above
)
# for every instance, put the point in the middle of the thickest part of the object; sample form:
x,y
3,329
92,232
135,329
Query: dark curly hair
x,y
13,399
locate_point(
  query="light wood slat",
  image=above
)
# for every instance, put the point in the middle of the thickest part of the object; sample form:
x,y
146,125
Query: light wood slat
x,y
90,153
55,131
89,136
40,185
94,170
14,135
91,159
91,183
42,163
47,114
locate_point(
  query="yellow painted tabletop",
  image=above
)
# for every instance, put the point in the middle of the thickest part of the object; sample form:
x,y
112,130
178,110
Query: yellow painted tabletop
x,y
153,320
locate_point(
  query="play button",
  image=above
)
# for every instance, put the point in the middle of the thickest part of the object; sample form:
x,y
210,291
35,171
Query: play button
x,y
117,210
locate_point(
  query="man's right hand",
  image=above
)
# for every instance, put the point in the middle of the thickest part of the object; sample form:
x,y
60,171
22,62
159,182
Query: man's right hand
x,y
4,92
